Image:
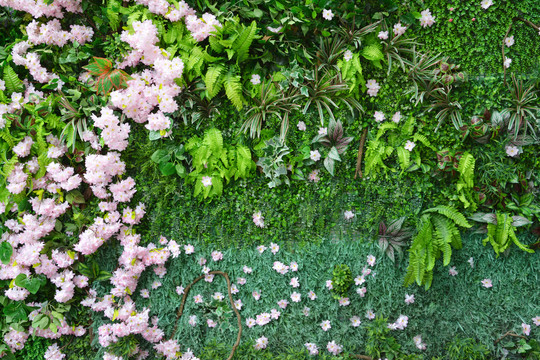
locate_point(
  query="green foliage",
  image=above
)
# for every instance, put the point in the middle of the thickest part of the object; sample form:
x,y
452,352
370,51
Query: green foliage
x,y
12,81
342,281
466,349
272,163
501,234
437,234
211,158
379,343
107,77
465,184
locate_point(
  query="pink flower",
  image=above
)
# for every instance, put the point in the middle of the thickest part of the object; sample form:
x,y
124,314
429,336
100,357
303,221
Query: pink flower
x,y
471,262
189,249
334,348
452,271
487,283
211,323
370,314
325,325
275,314
283,303
295,297
329,284
305,311
145,293
359,280
217,255
383,35
379,116
396,117
301,126
198,299
274,248
312,295
261,343
355,321
344,301
294,282
180,290
218,296
256,295
53,353
261,248
409,145
323,131
536,320
192,320
241,281
312,348
294,266
348,215
255,79
206,181
314,176
361,291
509,41
418,342
526,329
250,322
371,260
247,270
409,299
238,304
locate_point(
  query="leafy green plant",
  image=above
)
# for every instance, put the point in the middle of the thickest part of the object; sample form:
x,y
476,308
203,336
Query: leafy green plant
x,y
335,141
272,101
438,233
341,280
527,349
213,159
107,78
378,149
272,163
464,187
466,349
170,160
523,107
379,343
501,229
391,238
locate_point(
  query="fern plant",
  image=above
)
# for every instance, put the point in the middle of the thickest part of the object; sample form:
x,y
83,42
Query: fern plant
x,y
501,229
214,160
438,233
379,149
465,184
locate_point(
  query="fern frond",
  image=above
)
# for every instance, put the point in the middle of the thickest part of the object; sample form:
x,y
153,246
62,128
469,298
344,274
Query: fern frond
x,y
214,140
452,214
404,158
423,139
233,89
372,52
214,80
12,81
243,42
466,169
6,136
384,127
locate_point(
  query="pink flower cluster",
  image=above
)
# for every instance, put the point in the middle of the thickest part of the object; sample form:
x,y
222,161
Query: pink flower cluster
x,y
426,18
38,8
400,324
51,33
31,61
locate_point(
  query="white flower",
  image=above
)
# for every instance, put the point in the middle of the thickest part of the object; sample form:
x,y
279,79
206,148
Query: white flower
x,y
348,55
323,131
373,87
206,181
383,35
275,30
348,215
327,14
409,145
315,155
486,3
399,29
396,117
512,150
301,126
507,62
427,19
509,41
255,79
379,116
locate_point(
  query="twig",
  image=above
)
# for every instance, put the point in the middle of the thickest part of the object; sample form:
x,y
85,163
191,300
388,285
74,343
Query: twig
x,y
509,333
186,291
360,153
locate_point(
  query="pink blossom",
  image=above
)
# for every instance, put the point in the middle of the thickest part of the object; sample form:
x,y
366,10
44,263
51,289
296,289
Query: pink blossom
x,y
355,321
295,297
409,299
325,325
487,283
526,329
